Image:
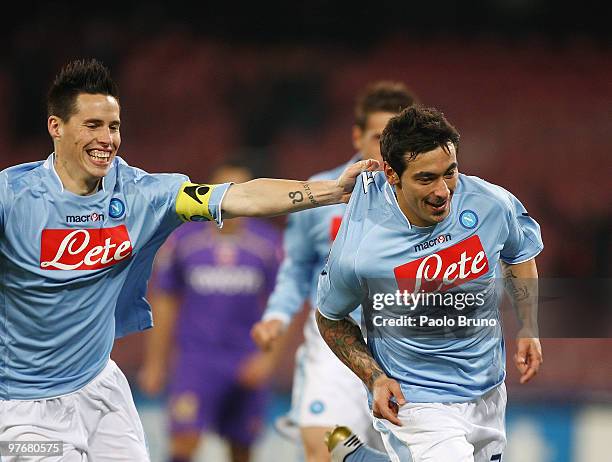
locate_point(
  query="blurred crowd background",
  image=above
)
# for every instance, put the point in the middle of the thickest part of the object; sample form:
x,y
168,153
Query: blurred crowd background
x,y
527,83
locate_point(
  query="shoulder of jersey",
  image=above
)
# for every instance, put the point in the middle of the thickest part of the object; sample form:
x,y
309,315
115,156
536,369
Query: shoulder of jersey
x,y
129,174
485,191
368,193
21,176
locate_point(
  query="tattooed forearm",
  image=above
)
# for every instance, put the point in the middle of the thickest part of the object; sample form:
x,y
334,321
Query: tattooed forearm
x,y
517,289
296,196
345,340
521,281
313,201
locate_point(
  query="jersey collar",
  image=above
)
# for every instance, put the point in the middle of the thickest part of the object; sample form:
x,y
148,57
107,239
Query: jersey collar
x,y
107,182
391,199
49,165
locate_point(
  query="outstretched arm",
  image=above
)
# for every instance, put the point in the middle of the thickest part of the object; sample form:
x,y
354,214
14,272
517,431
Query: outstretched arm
x,y
345,340
521,281
269,197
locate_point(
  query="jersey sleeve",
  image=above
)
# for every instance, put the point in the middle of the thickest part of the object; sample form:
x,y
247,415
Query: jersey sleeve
x,y
158,194
201,202
295,274
524,240
340,291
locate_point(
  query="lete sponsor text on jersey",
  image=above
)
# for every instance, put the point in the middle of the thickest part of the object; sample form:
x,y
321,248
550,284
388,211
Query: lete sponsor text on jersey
x,y
443,270
84,249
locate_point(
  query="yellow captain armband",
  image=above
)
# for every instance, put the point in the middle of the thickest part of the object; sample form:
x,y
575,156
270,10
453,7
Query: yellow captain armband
x,y
192,201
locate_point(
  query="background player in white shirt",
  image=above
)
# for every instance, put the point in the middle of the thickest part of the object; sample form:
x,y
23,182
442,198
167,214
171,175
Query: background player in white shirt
x,y
422,229
78,233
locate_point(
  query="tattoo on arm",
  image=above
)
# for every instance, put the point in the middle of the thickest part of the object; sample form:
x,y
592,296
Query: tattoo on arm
x,y
517,289
313,201
523,292
296,197
345,340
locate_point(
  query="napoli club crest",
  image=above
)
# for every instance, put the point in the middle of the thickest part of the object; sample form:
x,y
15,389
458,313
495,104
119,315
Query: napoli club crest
x,y
468,219
116,208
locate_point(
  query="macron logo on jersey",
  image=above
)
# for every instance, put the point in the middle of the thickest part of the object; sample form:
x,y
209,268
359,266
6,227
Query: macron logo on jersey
x,y
432,242
84,249
445,269
85,218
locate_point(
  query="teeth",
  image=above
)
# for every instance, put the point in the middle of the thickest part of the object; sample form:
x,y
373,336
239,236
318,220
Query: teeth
x,y
99,154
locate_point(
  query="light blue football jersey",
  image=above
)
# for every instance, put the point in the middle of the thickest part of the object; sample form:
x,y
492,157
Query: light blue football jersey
x,y
378,254
74,271
306,242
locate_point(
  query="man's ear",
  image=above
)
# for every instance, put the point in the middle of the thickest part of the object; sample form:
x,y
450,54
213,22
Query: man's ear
x,y
55,126
392,177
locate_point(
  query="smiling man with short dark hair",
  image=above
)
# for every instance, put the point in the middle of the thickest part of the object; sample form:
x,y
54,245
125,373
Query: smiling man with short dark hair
x,y
78,234
434,362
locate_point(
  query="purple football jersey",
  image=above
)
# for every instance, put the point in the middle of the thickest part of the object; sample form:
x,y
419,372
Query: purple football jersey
x,y
223,281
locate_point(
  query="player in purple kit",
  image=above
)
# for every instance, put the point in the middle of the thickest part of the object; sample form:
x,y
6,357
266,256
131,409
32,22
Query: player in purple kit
x,y
78,234
210,287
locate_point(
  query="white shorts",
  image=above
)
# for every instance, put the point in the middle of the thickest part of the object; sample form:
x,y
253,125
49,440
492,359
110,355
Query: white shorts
x,y
99,422
440,432
326,392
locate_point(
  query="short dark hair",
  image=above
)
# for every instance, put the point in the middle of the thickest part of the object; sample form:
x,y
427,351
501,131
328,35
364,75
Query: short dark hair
x,y
79,76
382,96
413,131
